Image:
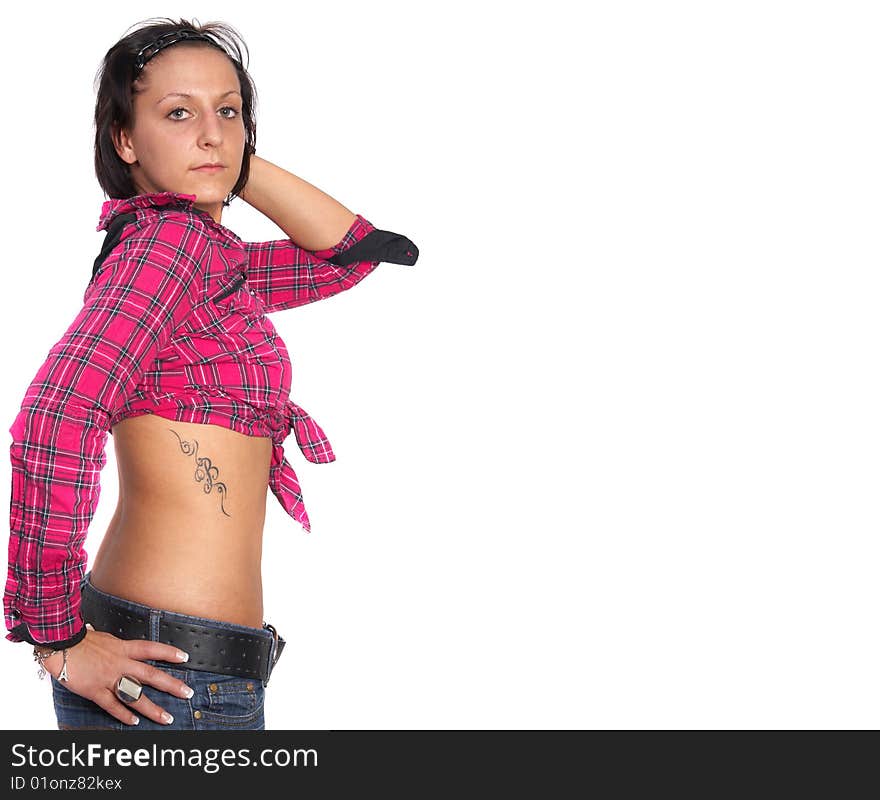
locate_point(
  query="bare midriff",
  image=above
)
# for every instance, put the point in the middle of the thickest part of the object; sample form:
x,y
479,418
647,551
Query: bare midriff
x,y
187,533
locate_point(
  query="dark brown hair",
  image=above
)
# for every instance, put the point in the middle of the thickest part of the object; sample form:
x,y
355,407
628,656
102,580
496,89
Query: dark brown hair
x,y
116,86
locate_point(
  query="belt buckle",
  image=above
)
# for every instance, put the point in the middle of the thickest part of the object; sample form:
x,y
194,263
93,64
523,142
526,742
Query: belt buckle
x,y
275,652
274,632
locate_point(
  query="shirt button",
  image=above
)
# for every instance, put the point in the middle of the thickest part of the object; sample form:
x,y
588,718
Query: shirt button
x,y
212,687
197,714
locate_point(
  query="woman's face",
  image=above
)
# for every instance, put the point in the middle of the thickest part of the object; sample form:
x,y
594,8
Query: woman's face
x,y
173,135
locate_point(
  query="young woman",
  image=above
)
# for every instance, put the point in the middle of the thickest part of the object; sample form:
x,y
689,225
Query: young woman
x,y
173,355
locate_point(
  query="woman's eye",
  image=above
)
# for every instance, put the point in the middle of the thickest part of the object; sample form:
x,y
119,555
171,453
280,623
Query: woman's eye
x,y
225,108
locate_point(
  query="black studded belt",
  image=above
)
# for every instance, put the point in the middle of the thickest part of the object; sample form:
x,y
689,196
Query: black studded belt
x,y
212,647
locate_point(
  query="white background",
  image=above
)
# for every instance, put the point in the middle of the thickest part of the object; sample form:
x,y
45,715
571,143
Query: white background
x,y
607,455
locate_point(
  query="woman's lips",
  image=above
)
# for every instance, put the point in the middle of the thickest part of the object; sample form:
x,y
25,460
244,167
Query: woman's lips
x,y
209,169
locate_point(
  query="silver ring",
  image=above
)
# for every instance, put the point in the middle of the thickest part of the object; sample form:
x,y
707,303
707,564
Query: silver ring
x,y
129,689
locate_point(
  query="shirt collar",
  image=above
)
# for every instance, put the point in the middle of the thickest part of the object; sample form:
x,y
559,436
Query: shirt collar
x,y
122,205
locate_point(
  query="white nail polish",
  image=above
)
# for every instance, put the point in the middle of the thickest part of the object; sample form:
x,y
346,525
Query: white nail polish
x,y
137,721
182,656
188,691
167,717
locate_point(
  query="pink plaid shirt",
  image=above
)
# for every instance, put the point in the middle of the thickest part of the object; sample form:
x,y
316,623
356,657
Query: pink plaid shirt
x,y
173,323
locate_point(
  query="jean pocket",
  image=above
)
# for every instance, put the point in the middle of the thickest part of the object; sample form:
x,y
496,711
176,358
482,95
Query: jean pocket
x,y
75,712
62,696
231,702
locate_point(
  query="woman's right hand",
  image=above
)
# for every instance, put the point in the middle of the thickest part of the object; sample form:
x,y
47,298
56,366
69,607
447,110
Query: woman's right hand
x,y
96,663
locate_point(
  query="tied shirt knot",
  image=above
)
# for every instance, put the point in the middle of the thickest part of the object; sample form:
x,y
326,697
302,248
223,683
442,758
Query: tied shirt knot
x,y
315,446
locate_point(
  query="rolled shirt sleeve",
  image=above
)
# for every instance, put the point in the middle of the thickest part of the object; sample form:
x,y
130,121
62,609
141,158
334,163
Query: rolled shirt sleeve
x,y
143,291
284,275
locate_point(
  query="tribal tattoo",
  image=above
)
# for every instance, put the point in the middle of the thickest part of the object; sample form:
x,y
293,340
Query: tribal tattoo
x,y
204,469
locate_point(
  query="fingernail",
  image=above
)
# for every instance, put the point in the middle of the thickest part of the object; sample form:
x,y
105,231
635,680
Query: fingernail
x,y
166,717
182,656
188,691
136,720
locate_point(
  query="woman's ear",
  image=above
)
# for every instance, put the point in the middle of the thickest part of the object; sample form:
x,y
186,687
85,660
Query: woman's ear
x,y
123,145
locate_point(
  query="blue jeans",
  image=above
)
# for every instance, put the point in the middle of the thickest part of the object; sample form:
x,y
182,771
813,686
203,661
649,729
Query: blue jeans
x,y
219,702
